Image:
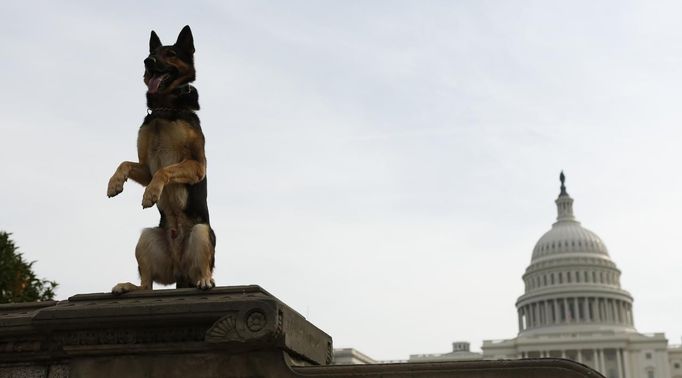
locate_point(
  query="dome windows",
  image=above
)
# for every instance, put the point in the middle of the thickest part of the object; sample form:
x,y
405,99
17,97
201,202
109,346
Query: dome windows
x,y
545,276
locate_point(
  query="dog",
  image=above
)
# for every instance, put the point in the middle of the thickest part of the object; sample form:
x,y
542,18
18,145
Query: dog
x,y
172,165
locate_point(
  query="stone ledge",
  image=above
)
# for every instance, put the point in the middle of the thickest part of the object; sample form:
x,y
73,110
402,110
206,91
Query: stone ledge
x,y
239,331
525,368
230,319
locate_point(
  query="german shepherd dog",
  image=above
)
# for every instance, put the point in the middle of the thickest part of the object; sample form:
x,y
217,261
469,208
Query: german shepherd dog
x,y
172,166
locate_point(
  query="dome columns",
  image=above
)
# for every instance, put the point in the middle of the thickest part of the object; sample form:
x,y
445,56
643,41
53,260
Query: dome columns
x,y
564,209
575,310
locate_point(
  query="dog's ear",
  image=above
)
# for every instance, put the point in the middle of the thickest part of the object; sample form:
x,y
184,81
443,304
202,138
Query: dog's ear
x,y
185,40
154,42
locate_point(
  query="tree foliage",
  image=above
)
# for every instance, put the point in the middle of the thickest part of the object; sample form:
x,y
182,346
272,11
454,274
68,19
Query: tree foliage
x,y
18,283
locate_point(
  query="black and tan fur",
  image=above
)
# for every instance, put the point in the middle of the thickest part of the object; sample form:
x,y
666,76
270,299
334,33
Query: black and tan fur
x,y
172,165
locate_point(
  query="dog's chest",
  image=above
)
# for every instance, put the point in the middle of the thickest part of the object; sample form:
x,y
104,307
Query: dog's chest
x,y
164,143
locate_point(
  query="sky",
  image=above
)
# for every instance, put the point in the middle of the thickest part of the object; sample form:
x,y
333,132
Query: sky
x,y
383,167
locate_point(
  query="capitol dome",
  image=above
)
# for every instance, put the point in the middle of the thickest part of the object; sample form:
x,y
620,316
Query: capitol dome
x,y
568,237
566,234
571,284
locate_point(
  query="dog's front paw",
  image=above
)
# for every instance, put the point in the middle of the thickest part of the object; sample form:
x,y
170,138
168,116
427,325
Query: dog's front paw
x,y
115,185
205,284
123,287
151,195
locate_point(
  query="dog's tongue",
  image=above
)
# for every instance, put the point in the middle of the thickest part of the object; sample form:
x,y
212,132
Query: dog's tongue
x,y
154,82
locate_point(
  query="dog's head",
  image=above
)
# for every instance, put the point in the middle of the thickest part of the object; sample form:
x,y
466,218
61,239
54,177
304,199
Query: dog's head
x,y
168,67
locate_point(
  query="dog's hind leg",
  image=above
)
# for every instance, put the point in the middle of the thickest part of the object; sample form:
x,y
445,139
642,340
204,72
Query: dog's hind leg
x,y
198,259
153,261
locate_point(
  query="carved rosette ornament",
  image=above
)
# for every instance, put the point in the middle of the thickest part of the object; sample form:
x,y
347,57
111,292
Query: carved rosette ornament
x,y
255,321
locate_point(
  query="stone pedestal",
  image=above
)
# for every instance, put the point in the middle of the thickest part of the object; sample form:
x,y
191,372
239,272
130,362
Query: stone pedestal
x,y
164,333
240,331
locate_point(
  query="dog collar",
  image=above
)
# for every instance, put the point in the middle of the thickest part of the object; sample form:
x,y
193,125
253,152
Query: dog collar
x,y
162,110
184,89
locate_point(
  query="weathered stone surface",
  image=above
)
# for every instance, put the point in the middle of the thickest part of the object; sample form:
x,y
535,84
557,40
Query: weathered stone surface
x,y
240,331
221,321
527,368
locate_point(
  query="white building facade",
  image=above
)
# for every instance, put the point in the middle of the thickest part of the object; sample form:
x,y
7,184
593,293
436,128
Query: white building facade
x,y
574,307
